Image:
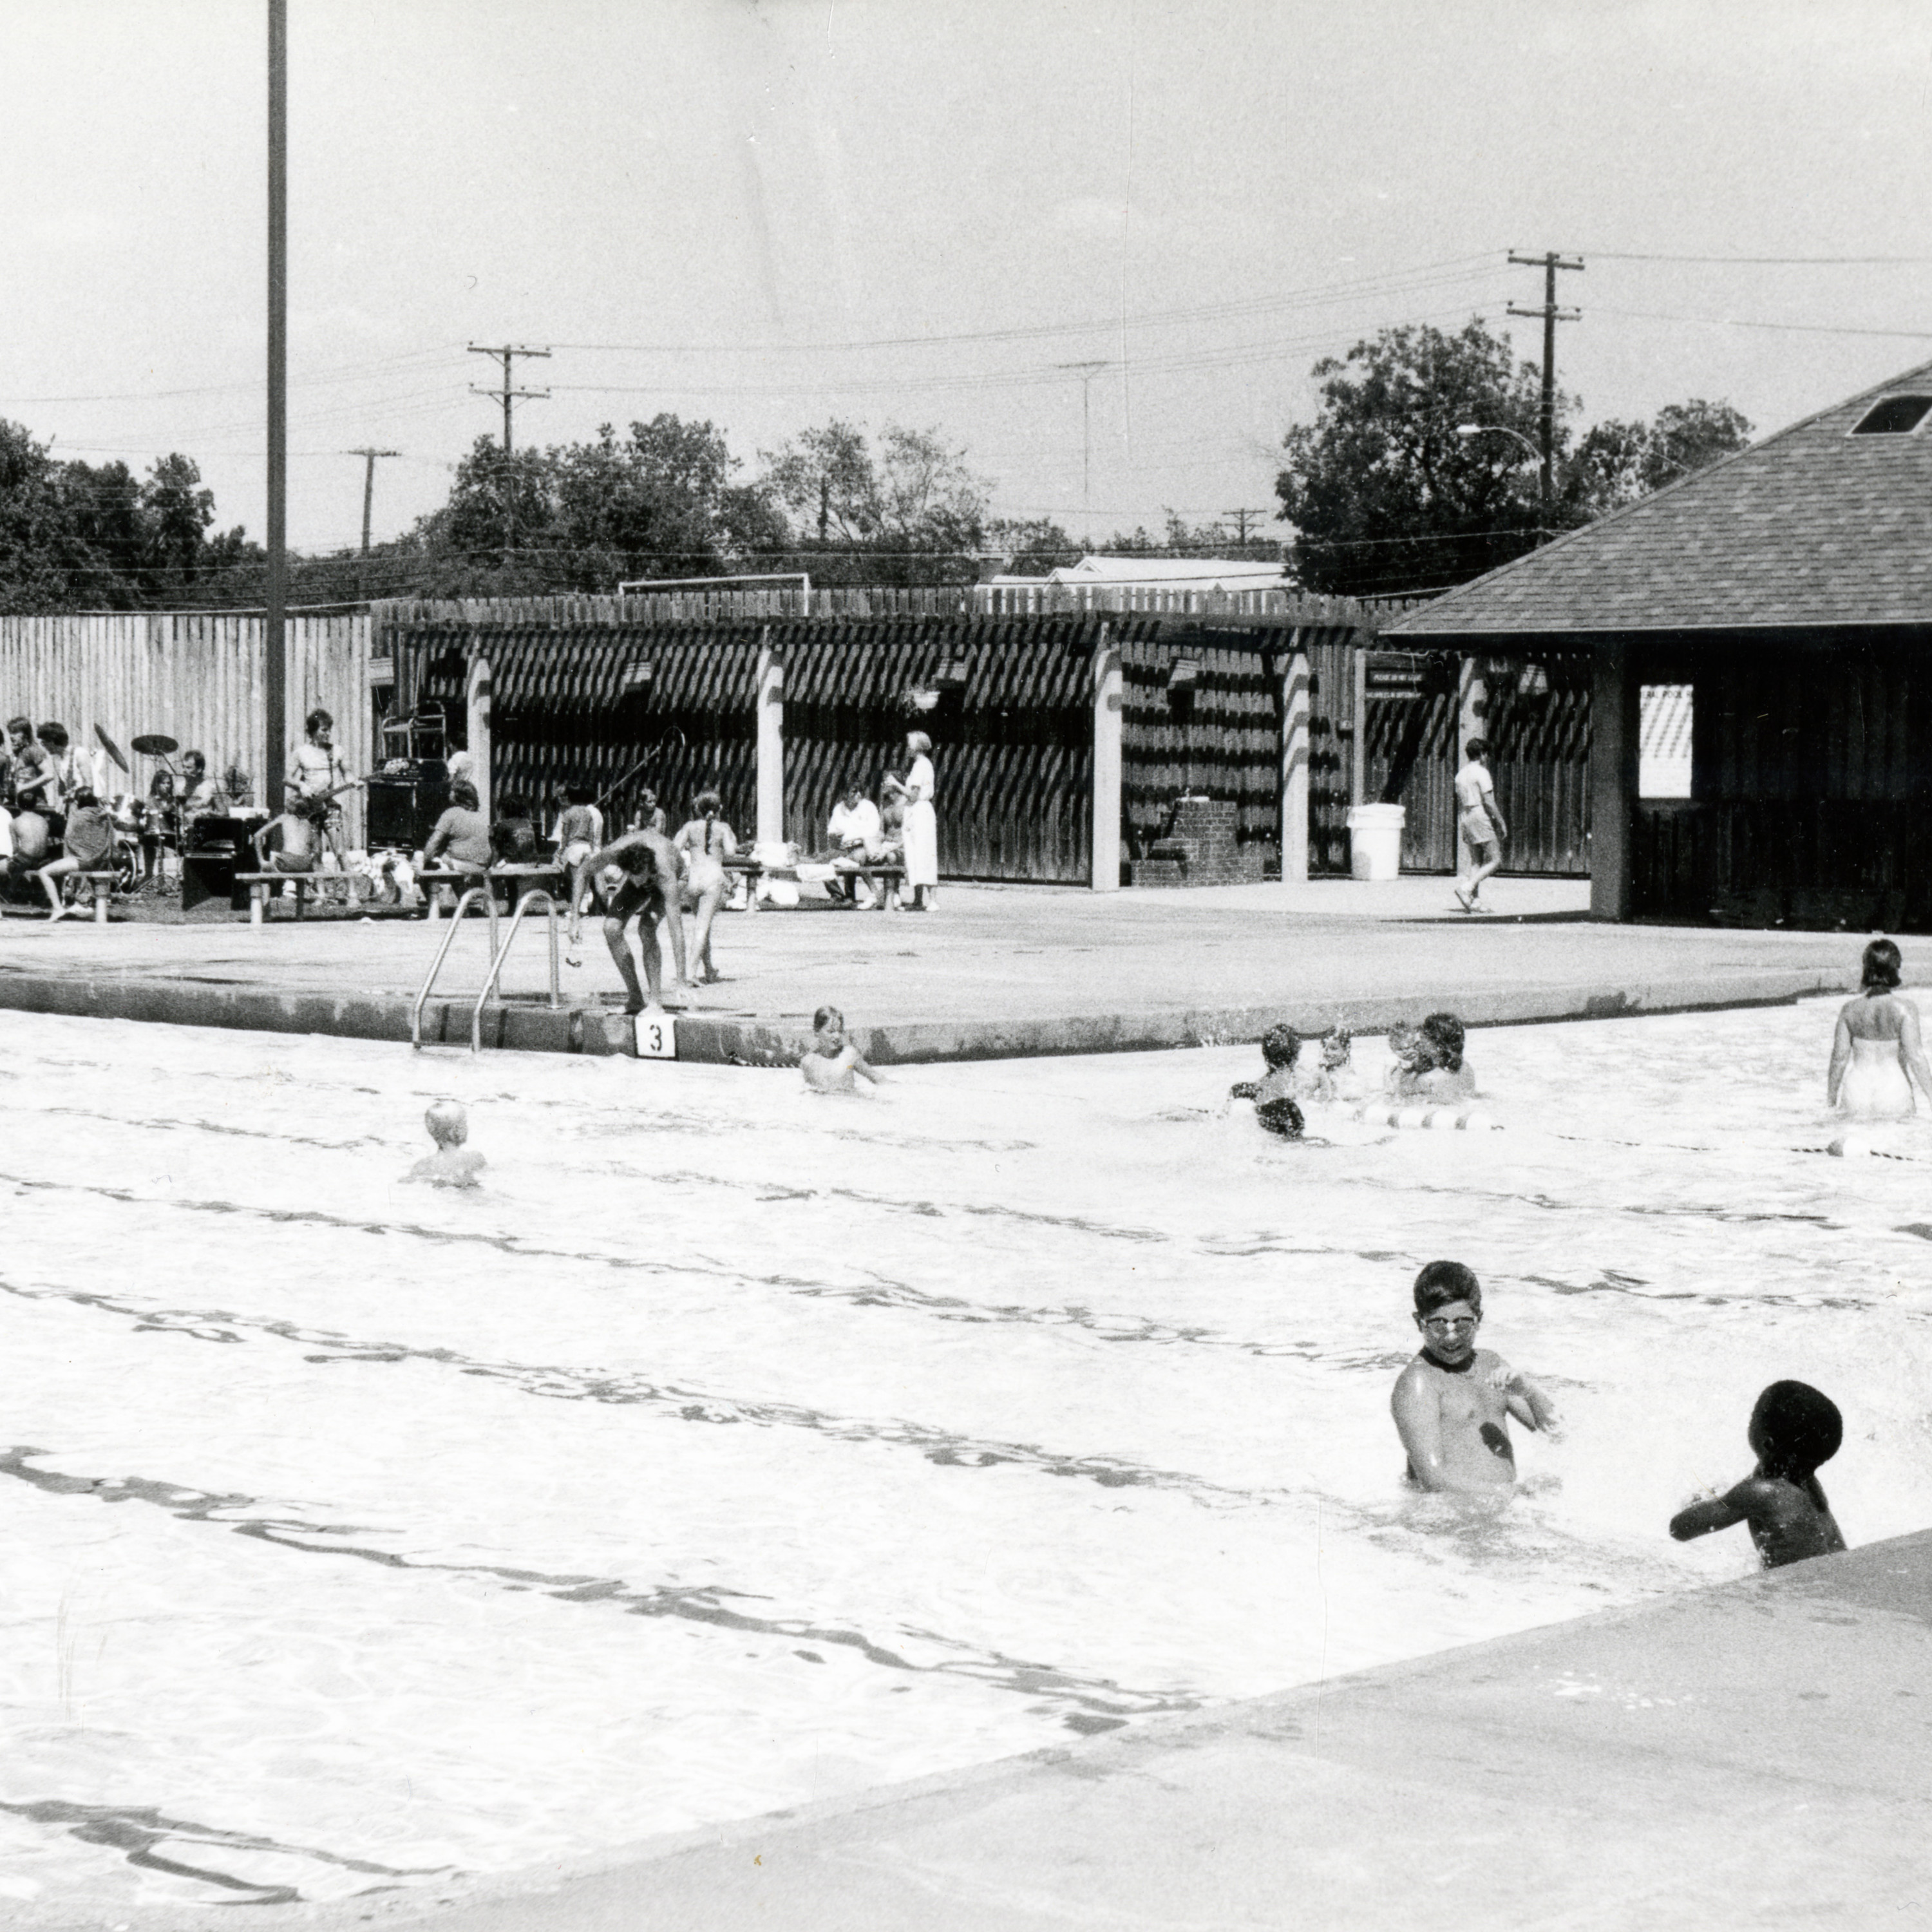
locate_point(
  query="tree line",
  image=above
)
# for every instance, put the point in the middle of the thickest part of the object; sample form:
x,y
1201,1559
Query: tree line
x,y
1379,494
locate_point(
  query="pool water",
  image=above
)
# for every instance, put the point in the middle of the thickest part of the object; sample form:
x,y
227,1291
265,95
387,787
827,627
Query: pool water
x,y
735,1447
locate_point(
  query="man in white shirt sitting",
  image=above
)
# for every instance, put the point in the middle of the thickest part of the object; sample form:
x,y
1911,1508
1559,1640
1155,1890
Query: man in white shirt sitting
x,y
856,833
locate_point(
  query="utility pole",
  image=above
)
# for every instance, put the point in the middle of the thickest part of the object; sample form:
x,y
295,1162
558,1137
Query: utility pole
x,y
369,456
1551,315
1240,517
507,353
275,628
1086,371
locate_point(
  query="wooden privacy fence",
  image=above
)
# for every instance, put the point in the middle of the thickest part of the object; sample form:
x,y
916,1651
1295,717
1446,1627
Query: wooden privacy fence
x,y
195,675
585,688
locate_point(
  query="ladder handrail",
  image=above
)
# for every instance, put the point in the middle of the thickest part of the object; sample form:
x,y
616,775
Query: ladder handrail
x,y
503,953
488,894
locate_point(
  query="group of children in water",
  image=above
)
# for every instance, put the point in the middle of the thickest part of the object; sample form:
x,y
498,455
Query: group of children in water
x,y
1429,1069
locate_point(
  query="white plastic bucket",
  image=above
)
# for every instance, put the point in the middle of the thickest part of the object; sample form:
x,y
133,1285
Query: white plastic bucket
x,y
1375,842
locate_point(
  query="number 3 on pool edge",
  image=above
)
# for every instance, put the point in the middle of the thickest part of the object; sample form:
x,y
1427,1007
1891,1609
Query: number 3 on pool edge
x,y
657,1036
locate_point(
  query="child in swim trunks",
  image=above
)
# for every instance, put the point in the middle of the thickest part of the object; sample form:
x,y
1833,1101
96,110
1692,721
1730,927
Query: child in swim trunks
x,y
1336,1079
452,1165
1453,1403
1793,1429
832,1060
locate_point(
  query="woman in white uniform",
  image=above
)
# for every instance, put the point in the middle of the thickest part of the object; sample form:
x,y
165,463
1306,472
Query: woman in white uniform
x,y
922,825
1876,1055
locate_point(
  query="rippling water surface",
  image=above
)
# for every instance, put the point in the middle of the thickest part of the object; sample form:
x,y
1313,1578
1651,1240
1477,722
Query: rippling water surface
x,y
735,1447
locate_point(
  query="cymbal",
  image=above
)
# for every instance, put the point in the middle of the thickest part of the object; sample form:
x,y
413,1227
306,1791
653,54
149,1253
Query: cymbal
x,y
112,750
155,744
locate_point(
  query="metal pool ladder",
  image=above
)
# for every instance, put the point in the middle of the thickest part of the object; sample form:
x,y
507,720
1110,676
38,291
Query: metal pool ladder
x,y
488,895
503,953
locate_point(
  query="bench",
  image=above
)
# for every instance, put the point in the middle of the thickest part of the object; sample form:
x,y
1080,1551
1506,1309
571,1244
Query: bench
x,y
259,895
889,875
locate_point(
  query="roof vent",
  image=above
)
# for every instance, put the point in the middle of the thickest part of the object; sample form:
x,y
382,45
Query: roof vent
x,y
1897,415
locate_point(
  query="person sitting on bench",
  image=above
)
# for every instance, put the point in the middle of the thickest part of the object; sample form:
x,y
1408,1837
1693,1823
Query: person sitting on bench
x,y
857,834
461,839
298,836
89,844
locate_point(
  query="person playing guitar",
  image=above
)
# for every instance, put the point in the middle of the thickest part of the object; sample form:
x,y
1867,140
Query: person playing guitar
x,y
317,771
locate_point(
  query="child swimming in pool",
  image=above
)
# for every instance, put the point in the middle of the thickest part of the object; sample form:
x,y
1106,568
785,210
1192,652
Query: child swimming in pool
x,y
1274,1094
1429,1064
1793,1429
452,1165
832,1060
1453,1401
1336,1079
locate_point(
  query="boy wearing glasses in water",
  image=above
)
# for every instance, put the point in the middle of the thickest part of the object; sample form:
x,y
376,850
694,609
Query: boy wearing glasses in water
x,y
1453,1403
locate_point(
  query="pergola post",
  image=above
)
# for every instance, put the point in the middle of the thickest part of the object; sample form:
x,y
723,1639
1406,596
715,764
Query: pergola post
x,y
1107,718
1294,707
1613,771
476,705
771,742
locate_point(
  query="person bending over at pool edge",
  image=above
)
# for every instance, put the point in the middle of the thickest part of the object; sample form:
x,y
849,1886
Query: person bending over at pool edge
x,y
452,1165
648,892
832,1059
1793,1429
1453,1401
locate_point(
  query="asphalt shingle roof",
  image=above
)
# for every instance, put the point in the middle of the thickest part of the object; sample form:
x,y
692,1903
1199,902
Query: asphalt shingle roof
x,y
1813,526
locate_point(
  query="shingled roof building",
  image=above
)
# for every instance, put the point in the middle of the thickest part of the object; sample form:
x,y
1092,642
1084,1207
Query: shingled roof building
x,y
1789,587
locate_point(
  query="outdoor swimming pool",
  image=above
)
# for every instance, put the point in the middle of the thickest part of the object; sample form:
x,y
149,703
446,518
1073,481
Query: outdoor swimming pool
x,y
735,1448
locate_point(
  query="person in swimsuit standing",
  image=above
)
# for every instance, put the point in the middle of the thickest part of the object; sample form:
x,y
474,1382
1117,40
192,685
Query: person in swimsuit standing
x,y
707,841
1877,1056
647,892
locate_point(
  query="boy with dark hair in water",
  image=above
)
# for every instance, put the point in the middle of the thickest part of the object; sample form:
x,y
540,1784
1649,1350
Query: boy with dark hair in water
x,y
1273,1093
830,1062
1453,1401
1793,1429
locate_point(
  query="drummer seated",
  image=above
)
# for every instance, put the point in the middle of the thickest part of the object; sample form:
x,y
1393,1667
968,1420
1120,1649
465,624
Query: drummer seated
x,y
297,833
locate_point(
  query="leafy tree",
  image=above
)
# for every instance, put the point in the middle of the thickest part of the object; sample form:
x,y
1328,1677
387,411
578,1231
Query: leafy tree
x,y
1384,496
911,512
1616,462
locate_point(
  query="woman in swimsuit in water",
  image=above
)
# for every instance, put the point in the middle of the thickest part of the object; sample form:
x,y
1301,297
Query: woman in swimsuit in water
x,y
705,842
1876,1058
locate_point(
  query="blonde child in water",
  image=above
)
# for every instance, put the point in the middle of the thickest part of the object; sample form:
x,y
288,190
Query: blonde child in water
x,y
452,1165
832,1060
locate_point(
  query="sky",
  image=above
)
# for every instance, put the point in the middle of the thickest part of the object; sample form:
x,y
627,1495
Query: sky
x,y
770,215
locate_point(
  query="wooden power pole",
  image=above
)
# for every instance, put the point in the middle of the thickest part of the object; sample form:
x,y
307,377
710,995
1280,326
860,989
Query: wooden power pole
x,y
1551,316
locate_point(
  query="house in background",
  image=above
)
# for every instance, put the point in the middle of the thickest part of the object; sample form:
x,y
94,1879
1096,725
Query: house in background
x,y
1787,592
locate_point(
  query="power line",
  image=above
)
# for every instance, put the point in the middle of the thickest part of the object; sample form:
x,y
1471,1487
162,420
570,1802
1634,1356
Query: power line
x,y
507,353
1240,517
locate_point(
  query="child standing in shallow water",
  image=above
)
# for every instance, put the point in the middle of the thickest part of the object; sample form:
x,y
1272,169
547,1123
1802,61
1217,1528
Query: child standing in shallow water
x,y
1793,1430
832,1060
1453,1401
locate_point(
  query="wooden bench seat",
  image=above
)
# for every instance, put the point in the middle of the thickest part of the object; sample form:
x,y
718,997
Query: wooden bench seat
x,y
889,875
259,895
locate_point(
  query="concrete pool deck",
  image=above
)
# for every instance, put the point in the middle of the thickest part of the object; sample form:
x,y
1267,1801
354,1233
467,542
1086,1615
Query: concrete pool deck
x,y
993,972
1756,1754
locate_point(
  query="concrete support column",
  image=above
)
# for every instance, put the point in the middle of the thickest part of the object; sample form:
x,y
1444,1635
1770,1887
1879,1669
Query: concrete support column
x,y
1613,756
1107,702
1294,703
771,743
476,703
1472,705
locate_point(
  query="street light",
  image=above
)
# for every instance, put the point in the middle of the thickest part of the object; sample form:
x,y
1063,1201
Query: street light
x,y
1498,429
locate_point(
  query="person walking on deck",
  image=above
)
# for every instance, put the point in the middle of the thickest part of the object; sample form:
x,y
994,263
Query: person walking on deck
x,y
1479,825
